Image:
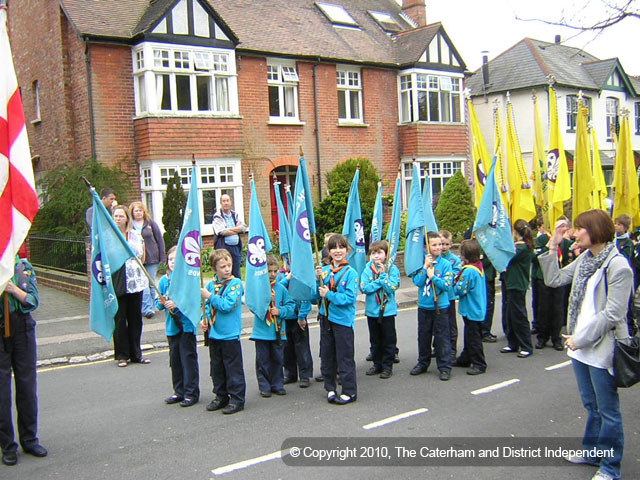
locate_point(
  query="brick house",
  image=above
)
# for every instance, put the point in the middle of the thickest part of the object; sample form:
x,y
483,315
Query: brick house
x,y
241,85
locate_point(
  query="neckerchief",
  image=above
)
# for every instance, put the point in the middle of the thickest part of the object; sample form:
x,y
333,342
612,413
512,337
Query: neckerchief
x,y
376,275
334,271
218,289
271,318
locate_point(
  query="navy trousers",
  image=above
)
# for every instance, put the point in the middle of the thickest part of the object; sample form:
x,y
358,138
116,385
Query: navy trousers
x,y
473,352
183,360
18,354
236,256
227,371
128,331
298,362
382,337
491,302
550,316
518,329
434,325
336,356
269,359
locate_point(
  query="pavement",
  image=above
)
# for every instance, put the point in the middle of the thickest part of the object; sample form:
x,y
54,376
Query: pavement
x,y
64,337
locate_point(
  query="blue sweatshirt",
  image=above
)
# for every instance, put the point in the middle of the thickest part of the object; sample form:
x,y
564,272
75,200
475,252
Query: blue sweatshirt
x,y
171,328
342,302
370,284
262,331
442,280
303,307
471,289
456,265
228,305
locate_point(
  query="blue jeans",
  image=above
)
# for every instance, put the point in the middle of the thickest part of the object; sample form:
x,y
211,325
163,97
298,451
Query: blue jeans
x,y
149,294
604,421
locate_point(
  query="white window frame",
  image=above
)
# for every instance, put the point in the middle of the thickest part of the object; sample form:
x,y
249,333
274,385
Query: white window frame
x,y
439,170
36,102
157,66
431,86
282,77
349,83
610,114
221,176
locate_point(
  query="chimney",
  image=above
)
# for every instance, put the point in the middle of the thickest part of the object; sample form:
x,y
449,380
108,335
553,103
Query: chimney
x,y
558,39
485,68
416,10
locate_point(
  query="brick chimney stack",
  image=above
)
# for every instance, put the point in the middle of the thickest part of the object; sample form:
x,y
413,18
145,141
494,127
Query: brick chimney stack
x,y
417,10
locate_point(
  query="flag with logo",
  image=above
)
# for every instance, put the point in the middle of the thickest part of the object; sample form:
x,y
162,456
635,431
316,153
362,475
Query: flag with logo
x,y
353,228
492,227
557,169
540,166
583,184
414,243
185,280
427,206
376,221
393,233
284,227
479,154
625,178
302,285
109,252
521,193
18,199
257,285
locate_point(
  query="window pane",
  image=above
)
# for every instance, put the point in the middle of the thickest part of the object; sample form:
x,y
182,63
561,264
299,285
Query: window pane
x,y
355,105
433,107
222,94
183,91
342,104
142,94
436,186
422,105
457,117
208,205
406,106
274,102
164,93
204,93
445,104
289,102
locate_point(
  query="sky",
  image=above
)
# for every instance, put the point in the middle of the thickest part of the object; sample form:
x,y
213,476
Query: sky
x,y
493,25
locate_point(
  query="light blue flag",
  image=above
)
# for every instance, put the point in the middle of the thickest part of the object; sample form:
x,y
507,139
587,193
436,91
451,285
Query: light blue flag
x,y
302,285
492,227
284,228
353,228
185,281
109,252
289,206
414,245
376,221
302,171
393,234
258,288
427,206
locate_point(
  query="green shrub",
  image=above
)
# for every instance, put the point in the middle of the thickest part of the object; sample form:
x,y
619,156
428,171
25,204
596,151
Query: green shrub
x,y
173,210
455,211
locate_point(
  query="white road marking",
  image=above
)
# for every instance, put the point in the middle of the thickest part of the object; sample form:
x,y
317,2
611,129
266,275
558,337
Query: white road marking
x,y
395,418
497,386
248,463
559,365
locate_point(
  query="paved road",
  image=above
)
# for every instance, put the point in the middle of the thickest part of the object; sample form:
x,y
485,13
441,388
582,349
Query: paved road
x,y
103,422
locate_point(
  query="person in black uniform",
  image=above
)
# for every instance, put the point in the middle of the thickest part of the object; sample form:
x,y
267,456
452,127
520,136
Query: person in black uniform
x,y
18,354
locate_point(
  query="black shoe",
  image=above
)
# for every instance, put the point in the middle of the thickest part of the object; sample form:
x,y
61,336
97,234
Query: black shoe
x,y
458,363
445,375
217,403
264,394
418,370
396,358
232,408
304,383
386,374
173,399
369,357
558,347
540,345
36,450
10,458
374,371
489,338
280,392
475,371
188,402
319,378
288,380
344,399
534,331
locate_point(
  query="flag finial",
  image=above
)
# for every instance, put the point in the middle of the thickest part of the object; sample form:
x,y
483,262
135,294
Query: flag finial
x,y
301,151
193,159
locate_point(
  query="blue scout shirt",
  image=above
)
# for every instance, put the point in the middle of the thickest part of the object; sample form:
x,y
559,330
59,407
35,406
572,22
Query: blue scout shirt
x,y
456,265
228,305
442,280
303,307
471,289
342,302
25,279
171,327
262,331
370,284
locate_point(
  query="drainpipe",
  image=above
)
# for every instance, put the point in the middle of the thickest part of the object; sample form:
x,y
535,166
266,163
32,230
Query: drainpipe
x,y
92,127
317,128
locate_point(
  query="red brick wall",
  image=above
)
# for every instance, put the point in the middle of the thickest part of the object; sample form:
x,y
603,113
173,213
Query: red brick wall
x,y
432,139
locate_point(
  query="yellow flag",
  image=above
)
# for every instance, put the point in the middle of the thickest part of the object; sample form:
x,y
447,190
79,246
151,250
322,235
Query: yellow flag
x,y
540,167
522,206
600,189
501,180
625,179
557,170
583,184
479,154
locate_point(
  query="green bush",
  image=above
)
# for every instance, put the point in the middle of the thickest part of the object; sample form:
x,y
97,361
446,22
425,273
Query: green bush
x,y
173,211
455,211
65,197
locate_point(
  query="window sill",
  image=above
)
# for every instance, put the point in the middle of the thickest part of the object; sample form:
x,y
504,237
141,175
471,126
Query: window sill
x,y
36,121
211,116
424,122
352,124
286,122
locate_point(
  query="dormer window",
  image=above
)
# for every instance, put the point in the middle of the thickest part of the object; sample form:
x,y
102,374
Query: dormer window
x,y
386,21
337,14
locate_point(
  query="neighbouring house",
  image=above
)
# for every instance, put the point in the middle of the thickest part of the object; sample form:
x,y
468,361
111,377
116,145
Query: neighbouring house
x,y
241,85
524,70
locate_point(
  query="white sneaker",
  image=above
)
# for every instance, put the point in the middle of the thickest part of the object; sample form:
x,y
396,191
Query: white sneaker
x,y
600,475
579,460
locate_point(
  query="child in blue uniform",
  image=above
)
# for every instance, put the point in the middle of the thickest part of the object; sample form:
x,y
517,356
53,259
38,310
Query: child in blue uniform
x,y
456,265
337,292
183,349
379,284
269,336
433,280
223,326
470,288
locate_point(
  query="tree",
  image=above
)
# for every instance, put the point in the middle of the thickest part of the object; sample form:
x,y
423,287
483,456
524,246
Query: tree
x,y
65,197
455,210
611,12
173,210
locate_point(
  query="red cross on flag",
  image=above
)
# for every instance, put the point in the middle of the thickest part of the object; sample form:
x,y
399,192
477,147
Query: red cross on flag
x,y
18,199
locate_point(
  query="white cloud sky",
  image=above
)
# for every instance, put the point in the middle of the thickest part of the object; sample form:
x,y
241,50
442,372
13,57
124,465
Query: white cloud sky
x,y
477,25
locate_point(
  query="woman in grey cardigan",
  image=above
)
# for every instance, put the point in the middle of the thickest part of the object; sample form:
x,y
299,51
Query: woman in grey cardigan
x,y
601,285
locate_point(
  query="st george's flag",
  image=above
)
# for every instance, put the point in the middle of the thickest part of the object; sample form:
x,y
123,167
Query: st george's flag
x,y
18,199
